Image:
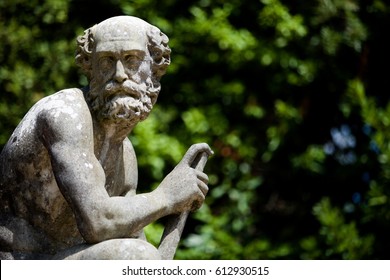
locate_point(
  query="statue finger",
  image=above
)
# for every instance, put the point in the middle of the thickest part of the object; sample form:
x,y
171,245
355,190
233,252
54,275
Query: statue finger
x,y
203,188
193,152
202,176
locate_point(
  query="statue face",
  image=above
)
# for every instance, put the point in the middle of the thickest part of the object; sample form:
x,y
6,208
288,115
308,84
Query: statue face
x,y
121,85
118,65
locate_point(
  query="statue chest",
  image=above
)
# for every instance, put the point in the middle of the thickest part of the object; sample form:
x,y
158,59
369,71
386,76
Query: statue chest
x,y
117,182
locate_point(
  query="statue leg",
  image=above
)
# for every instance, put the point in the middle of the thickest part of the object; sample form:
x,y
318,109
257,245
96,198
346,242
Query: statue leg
x,y
114,249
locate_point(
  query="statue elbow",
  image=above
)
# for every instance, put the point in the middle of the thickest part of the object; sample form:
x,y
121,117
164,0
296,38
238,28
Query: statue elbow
x,y
94,230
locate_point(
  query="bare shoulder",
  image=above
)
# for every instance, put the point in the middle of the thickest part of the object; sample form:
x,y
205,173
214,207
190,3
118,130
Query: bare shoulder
x,y
64,114
68,103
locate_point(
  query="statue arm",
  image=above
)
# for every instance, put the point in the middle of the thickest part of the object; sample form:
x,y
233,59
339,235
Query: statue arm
x,y
81,180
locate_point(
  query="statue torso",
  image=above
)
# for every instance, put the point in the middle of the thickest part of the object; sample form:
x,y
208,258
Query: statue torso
x,y
30,199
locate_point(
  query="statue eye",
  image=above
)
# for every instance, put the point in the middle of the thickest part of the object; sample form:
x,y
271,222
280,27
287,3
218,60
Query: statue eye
x,y
132,61
106,63
130,58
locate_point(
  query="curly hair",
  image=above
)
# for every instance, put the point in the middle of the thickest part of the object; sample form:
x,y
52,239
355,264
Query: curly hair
x,y
157,46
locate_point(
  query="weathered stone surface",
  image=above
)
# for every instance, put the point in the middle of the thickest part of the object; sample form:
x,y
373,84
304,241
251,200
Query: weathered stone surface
x,y
68,174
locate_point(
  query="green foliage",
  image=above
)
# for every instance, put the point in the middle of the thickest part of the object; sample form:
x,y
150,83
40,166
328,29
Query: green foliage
x,y
153,145
341,238
289,95
29,44
350,31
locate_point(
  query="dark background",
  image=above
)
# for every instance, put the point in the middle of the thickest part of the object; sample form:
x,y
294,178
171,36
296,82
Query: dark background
x,y
292,96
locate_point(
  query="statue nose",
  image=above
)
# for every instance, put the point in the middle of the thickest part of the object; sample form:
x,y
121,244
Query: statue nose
x,y
120,75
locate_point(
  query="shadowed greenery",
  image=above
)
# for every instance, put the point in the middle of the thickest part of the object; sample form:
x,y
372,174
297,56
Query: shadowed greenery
x,y
292,97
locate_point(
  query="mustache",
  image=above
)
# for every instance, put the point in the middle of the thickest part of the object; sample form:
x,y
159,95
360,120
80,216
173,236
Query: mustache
x,y
127,88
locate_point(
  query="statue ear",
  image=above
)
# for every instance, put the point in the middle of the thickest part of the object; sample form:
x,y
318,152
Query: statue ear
x,y
85,45
86,41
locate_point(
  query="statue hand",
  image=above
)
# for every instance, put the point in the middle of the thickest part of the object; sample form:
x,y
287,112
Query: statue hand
x,y
185,187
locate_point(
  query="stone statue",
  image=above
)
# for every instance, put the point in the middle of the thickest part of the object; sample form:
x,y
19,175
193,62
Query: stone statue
x,y
68,174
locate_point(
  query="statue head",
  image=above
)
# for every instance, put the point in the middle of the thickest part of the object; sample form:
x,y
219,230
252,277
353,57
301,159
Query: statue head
x,y
124,59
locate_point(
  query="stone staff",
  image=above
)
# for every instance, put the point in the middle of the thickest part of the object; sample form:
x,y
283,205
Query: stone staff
x,y
175,225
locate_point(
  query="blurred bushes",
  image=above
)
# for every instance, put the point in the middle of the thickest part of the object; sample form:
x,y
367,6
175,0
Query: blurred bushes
x,y
291,96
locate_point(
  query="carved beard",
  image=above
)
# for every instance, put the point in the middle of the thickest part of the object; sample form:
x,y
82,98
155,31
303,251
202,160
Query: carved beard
x,y
129,101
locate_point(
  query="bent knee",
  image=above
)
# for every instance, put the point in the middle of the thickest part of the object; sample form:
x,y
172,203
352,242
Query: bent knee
x,y
114,249
135,249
